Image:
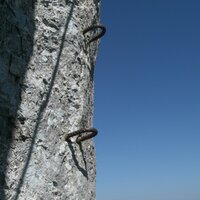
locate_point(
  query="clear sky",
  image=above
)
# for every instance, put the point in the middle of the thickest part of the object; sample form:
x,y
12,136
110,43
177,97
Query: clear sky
x,y
147,101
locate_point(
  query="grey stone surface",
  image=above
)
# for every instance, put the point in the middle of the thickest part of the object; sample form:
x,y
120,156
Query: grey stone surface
x,y
46,91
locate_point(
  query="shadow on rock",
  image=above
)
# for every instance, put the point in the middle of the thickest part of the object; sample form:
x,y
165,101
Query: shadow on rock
x,y
16,47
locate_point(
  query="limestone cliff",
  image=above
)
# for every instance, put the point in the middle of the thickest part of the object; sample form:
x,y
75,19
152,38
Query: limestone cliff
x,y
46,92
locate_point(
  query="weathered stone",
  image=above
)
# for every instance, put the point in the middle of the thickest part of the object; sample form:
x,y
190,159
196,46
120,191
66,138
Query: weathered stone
x,y
48,84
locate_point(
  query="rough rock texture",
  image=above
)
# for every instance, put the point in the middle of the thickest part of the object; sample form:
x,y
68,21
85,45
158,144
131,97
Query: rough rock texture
x,y
46,91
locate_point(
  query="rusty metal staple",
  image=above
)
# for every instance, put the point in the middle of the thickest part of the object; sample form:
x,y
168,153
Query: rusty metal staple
x,y
96,37
93,132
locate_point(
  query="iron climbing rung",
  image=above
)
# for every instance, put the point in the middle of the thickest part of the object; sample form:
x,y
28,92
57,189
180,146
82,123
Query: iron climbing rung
x,y
92,133
96,37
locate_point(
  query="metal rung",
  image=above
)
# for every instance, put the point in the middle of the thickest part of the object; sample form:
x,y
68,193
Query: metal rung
x,y
96,37
92,132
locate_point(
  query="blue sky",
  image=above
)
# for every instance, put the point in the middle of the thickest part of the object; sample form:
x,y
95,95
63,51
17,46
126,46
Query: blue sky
x,y
147,101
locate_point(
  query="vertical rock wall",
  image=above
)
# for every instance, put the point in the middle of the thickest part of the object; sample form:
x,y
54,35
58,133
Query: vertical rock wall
x,y
47,90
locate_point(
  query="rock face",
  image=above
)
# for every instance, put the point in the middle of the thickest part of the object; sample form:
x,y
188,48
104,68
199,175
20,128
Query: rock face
x,y
46,92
